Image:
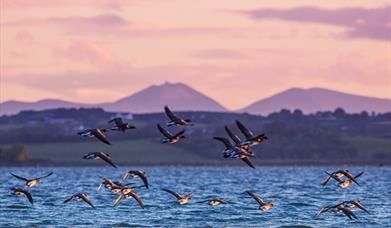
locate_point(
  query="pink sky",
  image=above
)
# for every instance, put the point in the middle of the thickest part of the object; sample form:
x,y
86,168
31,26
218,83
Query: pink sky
x,y
234,51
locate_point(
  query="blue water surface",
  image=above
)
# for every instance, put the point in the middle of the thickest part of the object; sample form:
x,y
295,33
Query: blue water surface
x,y
297,190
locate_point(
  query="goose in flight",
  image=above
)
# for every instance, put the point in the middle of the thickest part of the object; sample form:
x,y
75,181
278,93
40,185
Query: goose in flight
x,y
251,138
120,125
262,205
214,202
97,133
137,173
231,151
80,197
23,192
337,209
100,155
174,120
130,195
182,200
338,175
169,137
33,181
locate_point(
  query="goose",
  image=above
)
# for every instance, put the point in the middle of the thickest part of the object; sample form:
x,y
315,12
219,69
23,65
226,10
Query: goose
x,y
170,138
80,197
182,200
137,173
97,133
251,139
262,205
23,192
33,181
100,155
231,151
120,125
174,120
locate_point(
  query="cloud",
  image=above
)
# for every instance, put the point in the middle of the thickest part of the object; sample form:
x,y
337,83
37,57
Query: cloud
x,y
374,23
218,54
108,20
92,53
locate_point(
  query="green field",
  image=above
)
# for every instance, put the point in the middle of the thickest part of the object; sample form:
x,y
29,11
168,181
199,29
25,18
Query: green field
x,y
368,148
132,151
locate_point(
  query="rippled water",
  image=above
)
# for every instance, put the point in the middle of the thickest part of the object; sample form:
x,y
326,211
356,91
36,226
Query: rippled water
x,y
297,190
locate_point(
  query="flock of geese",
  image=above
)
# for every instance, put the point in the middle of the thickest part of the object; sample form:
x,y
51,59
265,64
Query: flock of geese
x,y
240,149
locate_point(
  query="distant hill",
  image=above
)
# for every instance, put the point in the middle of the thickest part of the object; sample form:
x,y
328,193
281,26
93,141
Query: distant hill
x,y
177,95
317,99
152,99
13,107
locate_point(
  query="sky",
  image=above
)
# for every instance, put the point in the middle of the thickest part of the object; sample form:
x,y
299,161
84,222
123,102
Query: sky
x,y
236,52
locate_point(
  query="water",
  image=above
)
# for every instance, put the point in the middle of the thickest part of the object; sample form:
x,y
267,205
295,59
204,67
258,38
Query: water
x,y
297,190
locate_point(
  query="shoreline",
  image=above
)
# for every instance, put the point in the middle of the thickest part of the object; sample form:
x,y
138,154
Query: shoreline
x,y
267,163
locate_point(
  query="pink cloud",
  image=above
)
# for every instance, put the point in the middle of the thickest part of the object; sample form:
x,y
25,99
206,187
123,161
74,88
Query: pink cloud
x,y
360,22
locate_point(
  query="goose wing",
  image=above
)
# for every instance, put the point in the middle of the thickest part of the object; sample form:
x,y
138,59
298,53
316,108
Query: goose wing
x,y
137,198
50,173
28,195
69,199
142,176
106,158
234,137
257,198
173,193
87,200
348,175
99,135
19,177
327,179
247,161
170,114
348,213
226,142
244,130
166,133
359,205
118,199
118,121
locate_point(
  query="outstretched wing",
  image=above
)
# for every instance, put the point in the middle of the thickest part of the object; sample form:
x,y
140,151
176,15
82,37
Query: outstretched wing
x,y
29,196
172,192
359,205
327,179
107,159
234,137
348,175
244,130
248,162
137,198
226,142
257,198
164,131
19,177
45,175
348,213
170,114
142,176
99,135
69,199
118,199
118,121
87,200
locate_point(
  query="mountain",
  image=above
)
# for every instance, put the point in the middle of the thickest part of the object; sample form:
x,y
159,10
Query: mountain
x,y
13,107
317,99
177,95
152,99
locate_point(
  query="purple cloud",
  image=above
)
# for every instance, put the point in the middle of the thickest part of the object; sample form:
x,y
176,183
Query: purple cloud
x,y
372,23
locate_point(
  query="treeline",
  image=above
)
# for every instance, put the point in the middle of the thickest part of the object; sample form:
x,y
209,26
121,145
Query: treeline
x,y
292,134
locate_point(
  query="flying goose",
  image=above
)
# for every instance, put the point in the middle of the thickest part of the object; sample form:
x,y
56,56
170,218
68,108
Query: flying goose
x,y
23,192
231,151
251,139
182,200
97,133
80,197
262,205
130,195
170,138
100,155
137,173
120,125
338,175
33,181
174,120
